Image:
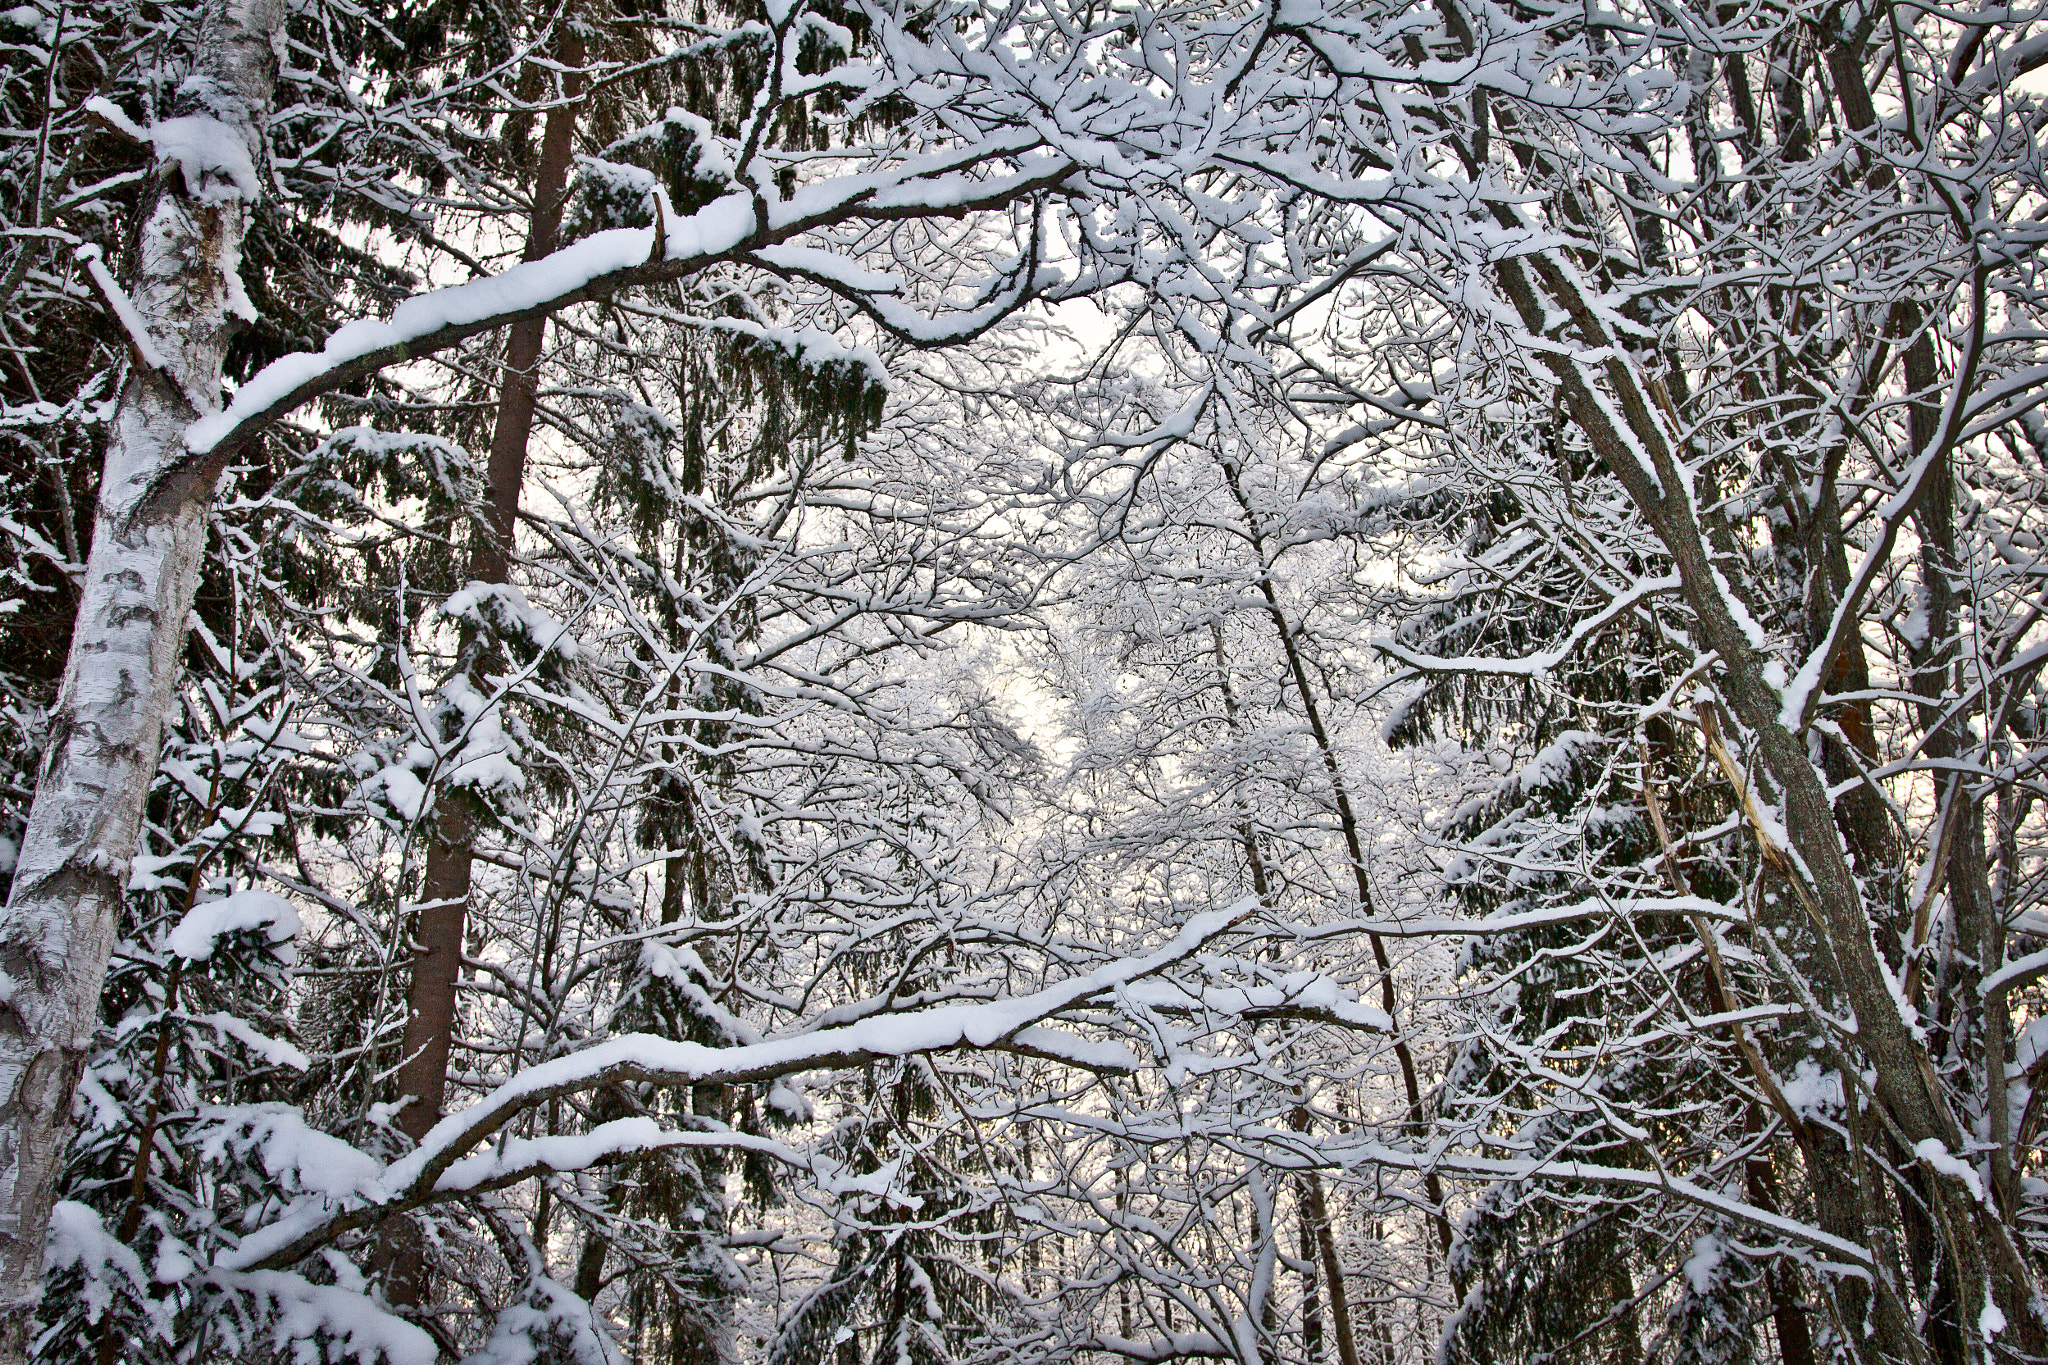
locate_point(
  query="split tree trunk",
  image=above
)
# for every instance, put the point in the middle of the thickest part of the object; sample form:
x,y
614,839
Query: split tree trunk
x,y
1629,435
106,732
445,885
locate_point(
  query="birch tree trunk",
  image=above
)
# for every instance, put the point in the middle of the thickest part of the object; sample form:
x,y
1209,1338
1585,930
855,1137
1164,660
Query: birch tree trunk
x,y
149,534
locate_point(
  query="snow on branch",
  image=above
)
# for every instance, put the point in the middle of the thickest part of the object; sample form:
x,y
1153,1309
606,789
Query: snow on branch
x,y
737,227
1536,665
1307,996
1171,1347
106,1266
441,1166
199,932
212,156
1857,1257
353,1326
2018,972
1598,907
1802,695
123,308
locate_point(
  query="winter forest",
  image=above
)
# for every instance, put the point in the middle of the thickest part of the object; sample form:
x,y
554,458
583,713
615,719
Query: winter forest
x,y
1022,682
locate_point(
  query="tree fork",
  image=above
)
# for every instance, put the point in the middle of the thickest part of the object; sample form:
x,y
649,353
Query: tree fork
x,y
1911,1097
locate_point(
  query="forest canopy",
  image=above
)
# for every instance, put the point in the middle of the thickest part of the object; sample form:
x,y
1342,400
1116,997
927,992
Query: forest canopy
x,y
916,682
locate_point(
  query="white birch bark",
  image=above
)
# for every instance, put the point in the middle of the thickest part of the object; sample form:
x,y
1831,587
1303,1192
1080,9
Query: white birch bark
x,y
149,534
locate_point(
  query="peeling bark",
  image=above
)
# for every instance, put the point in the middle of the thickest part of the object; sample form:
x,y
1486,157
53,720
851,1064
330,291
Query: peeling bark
x,y
149,535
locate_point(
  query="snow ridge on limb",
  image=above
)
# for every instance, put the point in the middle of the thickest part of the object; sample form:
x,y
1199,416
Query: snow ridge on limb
x,y
1517,921
1536,665
736,227
1855,1256
1170,1347
437,1169
354,1326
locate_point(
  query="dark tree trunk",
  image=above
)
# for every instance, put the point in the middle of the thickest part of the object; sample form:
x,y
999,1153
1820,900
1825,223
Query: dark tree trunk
x,y
445,885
